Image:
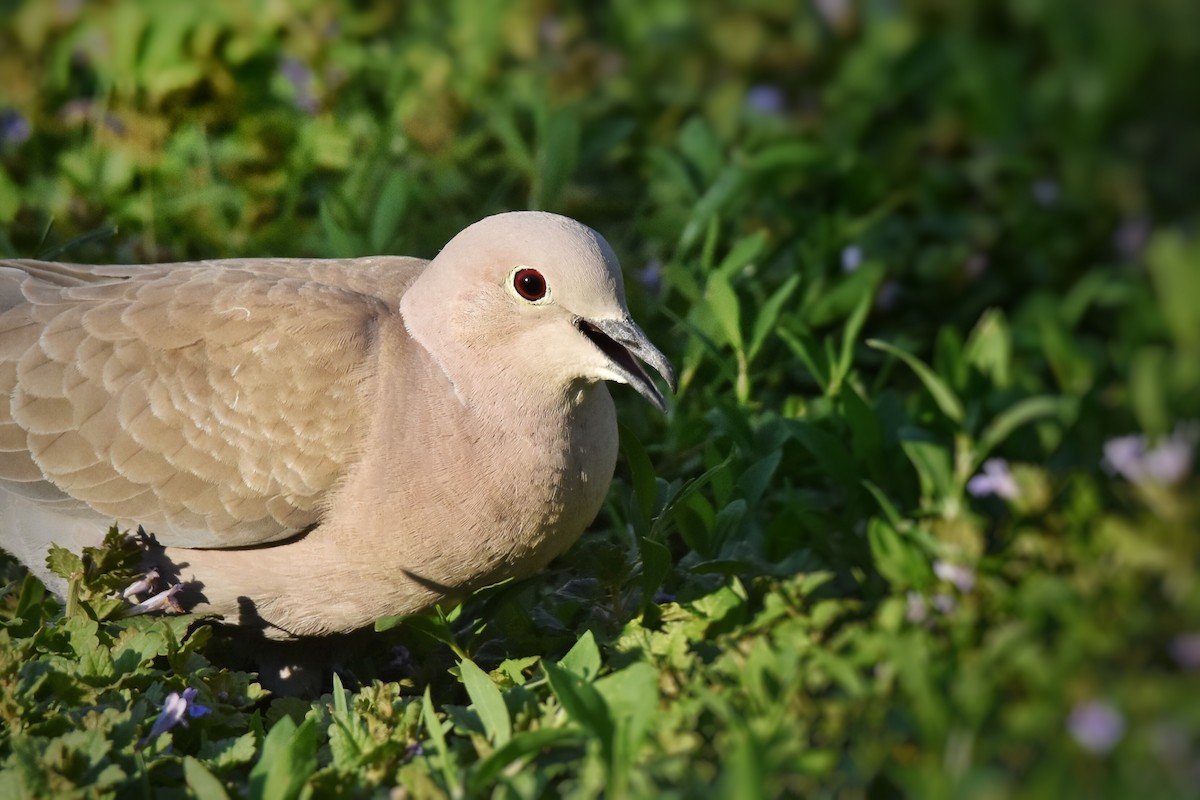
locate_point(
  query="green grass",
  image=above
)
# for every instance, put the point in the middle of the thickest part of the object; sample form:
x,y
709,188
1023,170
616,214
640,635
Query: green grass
x,y
884,245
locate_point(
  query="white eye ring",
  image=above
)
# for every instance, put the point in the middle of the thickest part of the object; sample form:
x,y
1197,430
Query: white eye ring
x,y
529,285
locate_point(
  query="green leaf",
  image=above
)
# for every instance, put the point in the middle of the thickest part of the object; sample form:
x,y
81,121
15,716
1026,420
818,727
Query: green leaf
x,y
387,216
841,368
723,190
828,451
757,477
989,348
583,659
488,702
933,460
557,155
723,303
63,563
201,783
289,757
945,398
444,758
1020,413
768,315
349,740
527,744
582,703
744,252
896,558
804,347
1174,263
645,485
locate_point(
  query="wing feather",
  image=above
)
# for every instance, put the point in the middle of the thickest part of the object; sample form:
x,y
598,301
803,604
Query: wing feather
x,y
216,403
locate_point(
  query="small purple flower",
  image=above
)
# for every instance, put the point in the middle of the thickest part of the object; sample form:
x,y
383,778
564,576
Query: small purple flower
x,y
962,577
176,710
889,295
651,275
943,603
300,77
1185,649
976,265
14,128
163,601
1166,464
142,585
1096,725
852,257
1045,192
994,479
552,32
766,99
916,610
1131,236
838,14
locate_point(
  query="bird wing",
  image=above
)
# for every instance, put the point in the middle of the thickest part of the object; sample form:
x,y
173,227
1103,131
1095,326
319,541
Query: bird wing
x,y
216,403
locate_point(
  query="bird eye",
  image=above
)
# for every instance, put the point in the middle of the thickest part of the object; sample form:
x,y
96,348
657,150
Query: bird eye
x,y
530,284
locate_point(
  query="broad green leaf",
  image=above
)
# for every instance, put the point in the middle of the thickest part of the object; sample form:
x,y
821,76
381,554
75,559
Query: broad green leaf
x,y
582,703
898,559
387,216
443,758
934,462
768,315
527,744
945,398
583,659
722,191
488,702
744,252
757,477
557,155
1174,263
841,368
201,783
288,758
989,348
723,303
805,348
1020,413
828,451
645,486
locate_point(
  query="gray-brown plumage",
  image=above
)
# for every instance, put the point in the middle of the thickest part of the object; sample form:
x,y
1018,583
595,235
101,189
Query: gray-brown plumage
x,y
318,443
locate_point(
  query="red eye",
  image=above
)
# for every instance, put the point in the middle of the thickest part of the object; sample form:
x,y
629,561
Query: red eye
x,y
530,284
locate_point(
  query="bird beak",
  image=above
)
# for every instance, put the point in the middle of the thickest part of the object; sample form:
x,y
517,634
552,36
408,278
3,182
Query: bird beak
x,y
621,340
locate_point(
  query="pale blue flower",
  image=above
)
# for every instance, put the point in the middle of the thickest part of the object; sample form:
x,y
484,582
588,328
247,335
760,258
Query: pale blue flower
x,y
1167,463
1096,725
163,601
14,128
943,603
176,710
852,257
141,586
995,479
916,610
1185,650
1045,192
962,577
766,99
300,77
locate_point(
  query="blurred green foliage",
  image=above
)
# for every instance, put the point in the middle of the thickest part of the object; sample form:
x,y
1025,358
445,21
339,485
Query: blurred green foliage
x,y
886,243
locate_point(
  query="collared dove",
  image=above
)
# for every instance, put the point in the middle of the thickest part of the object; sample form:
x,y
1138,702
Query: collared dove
x,y
318,443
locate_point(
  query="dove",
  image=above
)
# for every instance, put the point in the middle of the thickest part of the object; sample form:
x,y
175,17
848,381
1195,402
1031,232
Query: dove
x,y
314,444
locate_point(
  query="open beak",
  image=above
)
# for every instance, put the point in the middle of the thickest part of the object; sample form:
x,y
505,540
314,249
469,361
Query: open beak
x,y
624,343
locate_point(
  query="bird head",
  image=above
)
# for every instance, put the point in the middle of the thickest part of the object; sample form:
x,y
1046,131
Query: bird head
x,y
535,295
